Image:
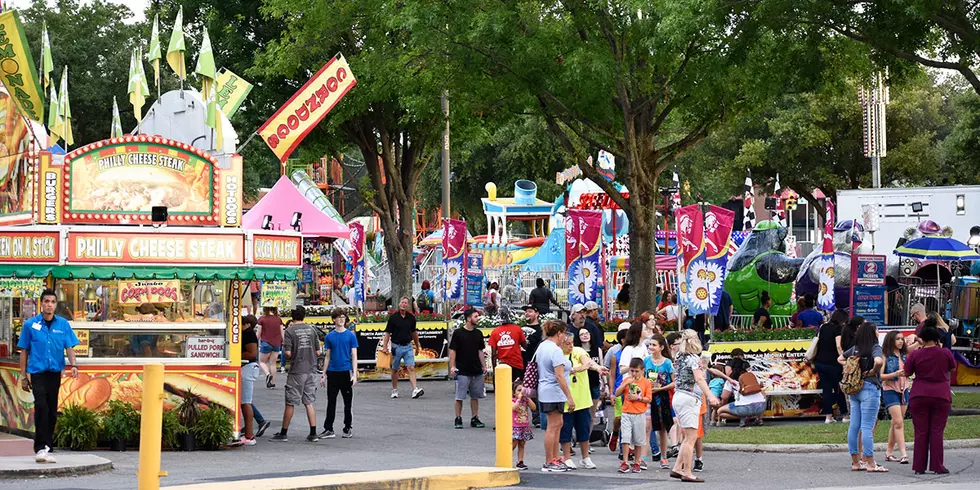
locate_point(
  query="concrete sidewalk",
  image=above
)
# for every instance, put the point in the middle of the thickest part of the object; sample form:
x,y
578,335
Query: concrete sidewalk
x,y
430,478
69,464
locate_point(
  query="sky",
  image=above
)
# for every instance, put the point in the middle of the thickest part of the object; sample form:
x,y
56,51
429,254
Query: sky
x,y
137,6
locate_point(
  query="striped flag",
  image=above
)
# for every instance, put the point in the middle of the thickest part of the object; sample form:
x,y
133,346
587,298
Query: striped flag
x,y
748,217
675,199
825,293
780,213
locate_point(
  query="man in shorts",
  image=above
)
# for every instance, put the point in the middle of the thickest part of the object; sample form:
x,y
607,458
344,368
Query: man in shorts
x,y
467,366
302,346
402,341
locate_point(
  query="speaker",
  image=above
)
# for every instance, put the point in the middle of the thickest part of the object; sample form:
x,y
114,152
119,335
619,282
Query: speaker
x,y
159,214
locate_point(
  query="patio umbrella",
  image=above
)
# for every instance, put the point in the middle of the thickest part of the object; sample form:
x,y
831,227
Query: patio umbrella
x,y
936,247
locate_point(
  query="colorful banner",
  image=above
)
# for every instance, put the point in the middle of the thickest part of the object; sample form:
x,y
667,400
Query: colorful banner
x,y
17,64
584,273
825,293
453,257
232,90
31,248
277,250
718,224
357,260
691,241
571,242
21,288
474,279
230,197
122,180
284,131
276,294
154,248
157,291
17,190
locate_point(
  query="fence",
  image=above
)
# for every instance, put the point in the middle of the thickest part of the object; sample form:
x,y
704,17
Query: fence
x,y
744,322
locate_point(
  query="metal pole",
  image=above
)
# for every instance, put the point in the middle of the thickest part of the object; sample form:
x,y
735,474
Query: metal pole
x,y
876,172
503,414
445,155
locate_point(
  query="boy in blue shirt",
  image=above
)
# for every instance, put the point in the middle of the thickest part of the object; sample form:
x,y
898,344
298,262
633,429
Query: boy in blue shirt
x,y
339,372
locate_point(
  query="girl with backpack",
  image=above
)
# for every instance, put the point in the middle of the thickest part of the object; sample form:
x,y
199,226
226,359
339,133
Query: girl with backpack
x,y
861,383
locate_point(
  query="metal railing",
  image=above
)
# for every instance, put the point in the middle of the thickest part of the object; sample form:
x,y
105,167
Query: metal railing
x,y
744,322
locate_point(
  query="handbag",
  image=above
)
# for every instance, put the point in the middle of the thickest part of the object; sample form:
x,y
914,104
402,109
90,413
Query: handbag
x,y
531,376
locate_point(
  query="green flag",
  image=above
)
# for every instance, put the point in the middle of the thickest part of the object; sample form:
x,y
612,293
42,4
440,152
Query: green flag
x,y
138,91
116,130
205,66
47,66
53,116
64,112
154,53
175,51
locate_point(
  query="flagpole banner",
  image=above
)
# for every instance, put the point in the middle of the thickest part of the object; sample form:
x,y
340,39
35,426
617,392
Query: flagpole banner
x,y
780,207
232,90
583,275
284,131
675,197
825,295
357,259
690,238
748,203
453,257
718,224
19,74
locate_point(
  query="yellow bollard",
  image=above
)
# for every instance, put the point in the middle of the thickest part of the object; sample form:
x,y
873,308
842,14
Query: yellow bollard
x,y
503,391
151,427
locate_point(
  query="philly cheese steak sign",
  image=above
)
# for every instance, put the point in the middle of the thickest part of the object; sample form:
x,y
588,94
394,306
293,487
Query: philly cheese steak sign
x,y
155,248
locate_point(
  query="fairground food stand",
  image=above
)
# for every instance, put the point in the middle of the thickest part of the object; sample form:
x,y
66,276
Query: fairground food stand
x,y
136,291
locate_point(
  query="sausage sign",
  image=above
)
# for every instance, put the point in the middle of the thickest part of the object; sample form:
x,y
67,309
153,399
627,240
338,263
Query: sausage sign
x,y
284,131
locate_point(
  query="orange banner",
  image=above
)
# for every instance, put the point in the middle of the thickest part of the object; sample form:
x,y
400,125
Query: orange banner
x,y
29,247
156,248
306,108
276,250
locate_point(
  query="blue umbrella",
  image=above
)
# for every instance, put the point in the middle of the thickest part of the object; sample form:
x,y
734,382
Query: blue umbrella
x,y
935,247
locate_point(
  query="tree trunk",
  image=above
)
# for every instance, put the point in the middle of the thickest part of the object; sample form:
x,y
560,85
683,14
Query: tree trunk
x,y
643,269
400,263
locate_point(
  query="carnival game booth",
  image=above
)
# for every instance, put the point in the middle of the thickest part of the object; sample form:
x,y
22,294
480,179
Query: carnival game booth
x,y
140,239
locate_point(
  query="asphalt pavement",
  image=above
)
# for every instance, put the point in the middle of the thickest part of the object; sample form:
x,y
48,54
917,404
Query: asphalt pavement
x,y
407,433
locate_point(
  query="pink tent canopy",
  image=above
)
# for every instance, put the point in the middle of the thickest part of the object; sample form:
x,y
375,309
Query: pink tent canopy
x,y
285,199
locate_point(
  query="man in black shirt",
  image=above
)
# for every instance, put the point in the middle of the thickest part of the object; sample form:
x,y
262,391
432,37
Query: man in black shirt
x,y
542,298
404,344
592,321
467,366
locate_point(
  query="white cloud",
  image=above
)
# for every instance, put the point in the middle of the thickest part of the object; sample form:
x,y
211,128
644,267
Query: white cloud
x,y
137,6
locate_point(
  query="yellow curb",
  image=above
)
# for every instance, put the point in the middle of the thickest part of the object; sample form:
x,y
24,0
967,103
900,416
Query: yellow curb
x,y
429,478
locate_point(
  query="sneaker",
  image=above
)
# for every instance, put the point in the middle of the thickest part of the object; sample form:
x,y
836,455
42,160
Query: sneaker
x,y
643,464
553,467
845,420
619,456
656,457
327,434
587,464
828,420
570,465
262,427
521,466
672,452
312,438
664,464
562,464
475,422
624,468
44,456
698,465
591,449
248,442
614,443
394,393
636,468
348,433
417,393
278,437
458,423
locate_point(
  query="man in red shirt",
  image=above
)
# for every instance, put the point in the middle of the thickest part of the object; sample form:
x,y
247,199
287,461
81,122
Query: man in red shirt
x,y
506,342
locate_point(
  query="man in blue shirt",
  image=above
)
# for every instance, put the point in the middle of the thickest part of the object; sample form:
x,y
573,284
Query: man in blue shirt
x,y
44,342
339,372
809,317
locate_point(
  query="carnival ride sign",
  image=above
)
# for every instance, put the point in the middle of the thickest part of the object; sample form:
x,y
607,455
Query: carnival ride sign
x,y
29,247
120,180
155,248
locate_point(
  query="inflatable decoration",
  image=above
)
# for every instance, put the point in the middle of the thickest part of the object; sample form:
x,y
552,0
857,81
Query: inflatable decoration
x,y
844,237
761,264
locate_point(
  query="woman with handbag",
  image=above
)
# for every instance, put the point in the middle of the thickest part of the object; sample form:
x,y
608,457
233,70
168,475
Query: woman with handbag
x,y
823,353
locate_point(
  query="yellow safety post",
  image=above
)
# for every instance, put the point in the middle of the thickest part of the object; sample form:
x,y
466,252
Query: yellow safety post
x,y
503,390
151,427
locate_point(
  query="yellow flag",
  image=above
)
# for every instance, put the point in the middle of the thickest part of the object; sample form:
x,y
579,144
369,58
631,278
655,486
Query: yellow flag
x,y
175,51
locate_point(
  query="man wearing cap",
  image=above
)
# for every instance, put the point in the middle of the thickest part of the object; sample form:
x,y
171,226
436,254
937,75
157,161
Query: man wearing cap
x,y
592,320
467,366
506,342
580,319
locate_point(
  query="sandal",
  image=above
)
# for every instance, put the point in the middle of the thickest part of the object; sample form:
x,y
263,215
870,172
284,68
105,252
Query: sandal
x,y
861,466
904,460
891,459
877,469
692,480
674,474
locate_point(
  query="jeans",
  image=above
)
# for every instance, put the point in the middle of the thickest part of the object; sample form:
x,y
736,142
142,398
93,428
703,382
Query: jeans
x,y
45,387
257,415
655,443
864,412
929,416
282,358
829,381
338,382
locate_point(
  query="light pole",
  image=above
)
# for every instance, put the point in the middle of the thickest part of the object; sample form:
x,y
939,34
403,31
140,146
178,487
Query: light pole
x,y
873,100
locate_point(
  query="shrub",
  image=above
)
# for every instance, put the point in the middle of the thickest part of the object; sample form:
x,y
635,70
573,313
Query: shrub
x,y
77,428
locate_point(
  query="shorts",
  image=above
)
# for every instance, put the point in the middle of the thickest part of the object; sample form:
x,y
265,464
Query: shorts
x,y
891,398
402,352
525,433
750,410
580,421
618,407
300,389
250,373
688,409
633,429
267,348
703,416
471,385
595,392
547,407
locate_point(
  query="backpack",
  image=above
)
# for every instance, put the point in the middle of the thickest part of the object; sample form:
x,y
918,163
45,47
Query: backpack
x,y
531,376
748,384
853,379
422,300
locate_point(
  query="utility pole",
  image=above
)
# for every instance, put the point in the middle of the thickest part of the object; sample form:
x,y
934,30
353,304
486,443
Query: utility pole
x,y
445,155
874,100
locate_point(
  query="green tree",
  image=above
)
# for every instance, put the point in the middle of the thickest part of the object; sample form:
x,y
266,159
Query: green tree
x,y
644,81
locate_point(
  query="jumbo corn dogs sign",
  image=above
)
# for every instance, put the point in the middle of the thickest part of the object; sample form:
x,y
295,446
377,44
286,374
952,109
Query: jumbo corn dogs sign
x,y
284,131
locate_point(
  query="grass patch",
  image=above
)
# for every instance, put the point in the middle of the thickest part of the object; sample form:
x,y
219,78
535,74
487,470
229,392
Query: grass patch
x,y
967,427
966,400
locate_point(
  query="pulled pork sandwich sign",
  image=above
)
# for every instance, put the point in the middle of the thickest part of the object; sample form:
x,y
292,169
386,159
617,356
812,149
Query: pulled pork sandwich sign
x,y
120,180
